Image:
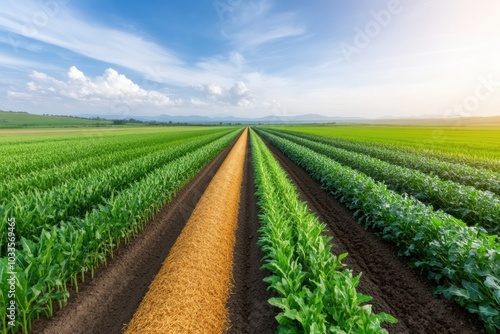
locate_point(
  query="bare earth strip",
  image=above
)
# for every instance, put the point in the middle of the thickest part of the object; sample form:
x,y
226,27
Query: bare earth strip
x,y
190,292
248,305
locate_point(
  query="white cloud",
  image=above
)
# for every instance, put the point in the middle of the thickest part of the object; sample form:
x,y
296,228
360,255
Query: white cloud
x,y
239,95
197,102
254,24
213,89
113,93
236,95
75,74
64,29
16,62
18,95
239,89
110,88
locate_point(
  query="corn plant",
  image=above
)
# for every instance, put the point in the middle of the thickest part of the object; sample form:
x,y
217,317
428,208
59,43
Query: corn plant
x,y
464,261
315,293
36,210
44,179
460,152
64,252
467,203
479,178
21,157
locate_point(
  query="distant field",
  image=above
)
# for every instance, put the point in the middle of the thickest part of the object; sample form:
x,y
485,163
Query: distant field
x,y
28,136
492,121
482,143
13,120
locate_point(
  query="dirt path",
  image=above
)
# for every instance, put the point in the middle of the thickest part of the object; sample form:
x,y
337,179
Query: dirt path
x,y
190,292
395,288
249,310
105,304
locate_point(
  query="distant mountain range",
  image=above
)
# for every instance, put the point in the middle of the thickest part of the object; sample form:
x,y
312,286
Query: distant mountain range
x,y
273,119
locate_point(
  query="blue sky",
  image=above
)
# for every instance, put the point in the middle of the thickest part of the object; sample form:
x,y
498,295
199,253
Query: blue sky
x,y
251,57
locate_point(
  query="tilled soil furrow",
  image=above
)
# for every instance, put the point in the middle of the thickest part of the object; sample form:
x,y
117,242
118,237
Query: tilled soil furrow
x,y
190,292
248,307
396,289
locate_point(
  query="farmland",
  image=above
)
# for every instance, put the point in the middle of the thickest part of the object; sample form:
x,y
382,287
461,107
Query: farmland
x,y
472,145
20,120
270,229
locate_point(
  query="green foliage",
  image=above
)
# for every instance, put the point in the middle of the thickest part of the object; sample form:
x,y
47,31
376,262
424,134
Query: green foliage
x,y
25,153
467,203
462,259
479,178
113,152
476,146
36,210
16,120
314,293
62,252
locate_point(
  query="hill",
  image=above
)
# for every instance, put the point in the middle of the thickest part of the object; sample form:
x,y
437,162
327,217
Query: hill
x,y
14,120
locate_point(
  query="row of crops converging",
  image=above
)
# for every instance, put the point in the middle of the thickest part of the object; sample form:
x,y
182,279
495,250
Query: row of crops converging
x,y
75,209
447,228
314,292
68,226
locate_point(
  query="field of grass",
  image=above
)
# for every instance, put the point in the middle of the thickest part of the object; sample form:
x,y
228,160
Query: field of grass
x,y
481,143
16,120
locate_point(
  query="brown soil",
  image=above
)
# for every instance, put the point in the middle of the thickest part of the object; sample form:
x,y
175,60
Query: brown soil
x,y
396,289
248,307
105,304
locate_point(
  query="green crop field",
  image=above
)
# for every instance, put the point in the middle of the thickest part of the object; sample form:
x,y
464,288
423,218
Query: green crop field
x,y
15,120
69,197
469,143
75,195
445,223
29,136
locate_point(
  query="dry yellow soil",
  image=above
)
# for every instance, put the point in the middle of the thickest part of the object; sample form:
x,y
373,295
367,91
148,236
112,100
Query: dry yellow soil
x,y
190,292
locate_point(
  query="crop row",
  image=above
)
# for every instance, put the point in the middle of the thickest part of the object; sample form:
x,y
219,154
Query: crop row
x,y
463,260
77,246
50,177
479,178
36,210
37,156
467,203
475,148
458,157
315,293
21,159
